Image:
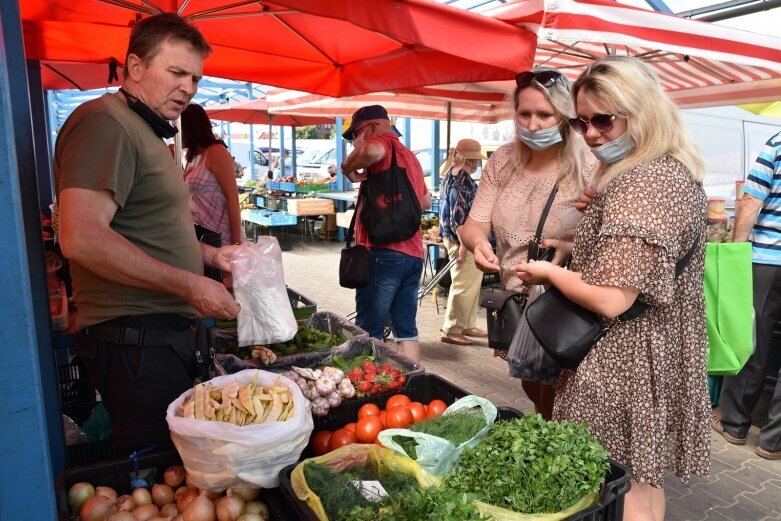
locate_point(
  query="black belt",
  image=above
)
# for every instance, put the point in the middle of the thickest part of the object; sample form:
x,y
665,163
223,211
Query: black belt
x,y
133,336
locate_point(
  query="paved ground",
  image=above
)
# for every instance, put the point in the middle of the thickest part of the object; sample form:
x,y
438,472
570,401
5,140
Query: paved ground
x,y
741,487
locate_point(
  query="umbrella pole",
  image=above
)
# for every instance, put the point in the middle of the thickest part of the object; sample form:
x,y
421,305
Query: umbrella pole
x,y
270,117
449,117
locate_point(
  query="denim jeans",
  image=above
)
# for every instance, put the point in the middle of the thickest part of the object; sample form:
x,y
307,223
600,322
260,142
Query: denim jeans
x,y
392,292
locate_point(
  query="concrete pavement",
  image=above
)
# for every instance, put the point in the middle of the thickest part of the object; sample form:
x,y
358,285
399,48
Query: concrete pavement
x,y
741,487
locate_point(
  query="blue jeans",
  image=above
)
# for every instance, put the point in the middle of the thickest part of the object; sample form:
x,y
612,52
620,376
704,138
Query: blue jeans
x,y
392,291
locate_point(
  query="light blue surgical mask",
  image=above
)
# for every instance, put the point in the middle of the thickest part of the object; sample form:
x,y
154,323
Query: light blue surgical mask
x,y
539,139
616,150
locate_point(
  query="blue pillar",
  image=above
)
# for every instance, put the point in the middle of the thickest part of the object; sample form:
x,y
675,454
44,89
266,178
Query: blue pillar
x,y
31,439
252,144
407,132
435,130
42,159
341,185
51,113
282,164
293,150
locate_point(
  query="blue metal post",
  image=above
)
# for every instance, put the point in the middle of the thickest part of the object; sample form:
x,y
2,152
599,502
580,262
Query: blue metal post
x,y
435,128
282,161
407,132
42,159
341,184
31,440
252,144
293,150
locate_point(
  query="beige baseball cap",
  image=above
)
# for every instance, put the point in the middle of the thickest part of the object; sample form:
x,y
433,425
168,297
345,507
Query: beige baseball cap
x,y
470,149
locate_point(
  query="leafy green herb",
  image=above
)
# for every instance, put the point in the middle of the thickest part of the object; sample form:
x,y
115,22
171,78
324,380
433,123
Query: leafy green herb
x,y
433,503
456,427
531,466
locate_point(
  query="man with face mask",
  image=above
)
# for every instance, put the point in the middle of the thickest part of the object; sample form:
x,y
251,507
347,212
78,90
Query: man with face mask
x,y
126,228
394,267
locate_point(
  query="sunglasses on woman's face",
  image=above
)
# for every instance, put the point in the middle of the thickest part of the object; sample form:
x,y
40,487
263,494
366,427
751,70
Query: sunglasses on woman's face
x,y
601,122
544,78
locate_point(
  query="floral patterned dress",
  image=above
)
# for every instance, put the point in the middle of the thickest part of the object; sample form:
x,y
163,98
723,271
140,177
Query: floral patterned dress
x,y
643,387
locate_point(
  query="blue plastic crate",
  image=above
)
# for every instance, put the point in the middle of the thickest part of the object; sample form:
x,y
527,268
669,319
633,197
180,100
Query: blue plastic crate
x,y
287,186
278,219
434,205
275,185
269,184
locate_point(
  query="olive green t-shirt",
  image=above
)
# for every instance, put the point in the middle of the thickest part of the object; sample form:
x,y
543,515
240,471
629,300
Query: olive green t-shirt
x,y
106,146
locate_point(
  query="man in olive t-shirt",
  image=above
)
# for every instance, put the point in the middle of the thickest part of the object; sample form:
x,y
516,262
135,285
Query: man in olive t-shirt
x,y
126,228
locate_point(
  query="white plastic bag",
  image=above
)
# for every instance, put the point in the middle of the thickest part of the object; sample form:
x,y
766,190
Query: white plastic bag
x,y
220,455
437,455
526,358
266,316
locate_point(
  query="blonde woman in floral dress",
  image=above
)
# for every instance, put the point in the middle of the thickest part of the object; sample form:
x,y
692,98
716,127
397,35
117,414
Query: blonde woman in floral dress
x,y
642,388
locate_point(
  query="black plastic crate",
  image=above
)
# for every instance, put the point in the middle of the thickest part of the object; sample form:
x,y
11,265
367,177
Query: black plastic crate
x,y
118,474
77,394
303,307
89,453
610,506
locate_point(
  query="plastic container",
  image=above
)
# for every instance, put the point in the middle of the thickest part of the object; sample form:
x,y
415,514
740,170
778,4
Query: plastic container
x,y
271,218
303,307
287,186
610,506
717,208
225,363
118,474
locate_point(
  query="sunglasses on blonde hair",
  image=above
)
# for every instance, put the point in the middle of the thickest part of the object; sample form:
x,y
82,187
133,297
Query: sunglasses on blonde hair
x,y
544,78
601,122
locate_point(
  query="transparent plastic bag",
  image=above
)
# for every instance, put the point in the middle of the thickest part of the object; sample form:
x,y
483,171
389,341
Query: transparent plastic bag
x,y
527,360
259,286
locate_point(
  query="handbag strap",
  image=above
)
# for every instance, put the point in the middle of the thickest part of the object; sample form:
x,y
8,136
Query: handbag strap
x,y
548,204
351,229
638,308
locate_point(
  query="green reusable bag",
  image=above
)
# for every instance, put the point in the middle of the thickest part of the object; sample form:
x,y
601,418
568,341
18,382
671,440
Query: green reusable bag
x,y
729,306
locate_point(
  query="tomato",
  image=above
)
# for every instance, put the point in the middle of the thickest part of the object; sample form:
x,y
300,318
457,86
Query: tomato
x,y
350,426
435,408
399,417
340,438
320,442
397,399
368,409
367,429
418,411
382,416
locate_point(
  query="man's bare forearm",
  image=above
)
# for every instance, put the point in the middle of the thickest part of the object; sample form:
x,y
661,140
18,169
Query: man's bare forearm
x,y
745,217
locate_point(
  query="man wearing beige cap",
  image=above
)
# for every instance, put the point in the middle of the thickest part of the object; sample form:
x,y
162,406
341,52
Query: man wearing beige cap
x,y
456,195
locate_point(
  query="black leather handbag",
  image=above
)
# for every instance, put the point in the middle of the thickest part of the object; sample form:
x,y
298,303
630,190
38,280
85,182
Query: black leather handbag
x,y
504,308
354,261
567,331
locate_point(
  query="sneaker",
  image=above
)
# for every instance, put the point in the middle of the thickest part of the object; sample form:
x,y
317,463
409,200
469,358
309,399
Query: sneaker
x,y
718,427
768,454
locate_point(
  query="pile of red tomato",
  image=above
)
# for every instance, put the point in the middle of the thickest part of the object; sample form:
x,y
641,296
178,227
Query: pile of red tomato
x,y
400,412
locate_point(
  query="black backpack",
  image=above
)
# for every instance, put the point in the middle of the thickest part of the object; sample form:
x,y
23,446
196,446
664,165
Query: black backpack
x,y
390,209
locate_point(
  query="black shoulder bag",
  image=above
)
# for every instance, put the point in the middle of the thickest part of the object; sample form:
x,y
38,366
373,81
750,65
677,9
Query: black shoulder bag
x,y
390,208
567,331
354,262
504,308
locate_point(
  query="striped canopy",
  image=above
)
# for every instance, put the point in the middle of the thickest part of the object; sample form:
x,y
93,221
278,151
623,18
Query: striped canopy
x,y
699,63
295,103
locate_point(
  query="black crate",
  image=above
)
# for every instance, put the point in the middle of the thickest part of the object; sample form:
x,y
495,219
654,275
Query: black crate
x,y
118,474
303,307
610,506
77,394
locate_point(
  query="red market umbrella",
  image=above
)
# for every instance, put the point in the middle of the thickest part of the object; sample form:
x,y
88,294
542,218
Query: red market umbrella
x,y
78,75
256,111
331,48
699,63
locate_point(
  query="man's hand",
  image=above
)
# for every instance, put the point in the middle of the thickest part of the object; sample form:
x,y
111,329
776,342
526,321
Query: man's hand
x,y
211,299
222,257
485,258
585,198
462,251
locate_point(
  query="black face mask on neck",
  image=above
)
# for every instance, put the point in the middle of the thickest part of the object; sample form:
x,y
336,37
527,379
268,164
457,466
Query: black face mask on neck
x,y
160,126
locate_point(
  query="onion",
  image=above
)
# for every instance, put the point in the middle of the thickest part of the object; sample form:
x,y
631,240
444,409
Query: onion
x,y
174,476
97,508
169,510
122,516
200,509
229,508
126,503
185,499
250,517
180,517
179,491
187,481
145,512
162,495
260,508
214,496
142,496
78,494
106,492
245,493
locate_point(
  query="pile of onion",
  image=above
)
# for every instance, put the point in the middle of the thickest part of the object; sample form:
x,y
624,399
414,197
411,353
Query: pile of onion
x,y
175,500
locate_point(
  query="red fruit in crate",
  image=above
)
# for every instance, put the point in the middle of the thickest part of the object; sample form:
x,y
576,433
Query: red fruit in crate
x,y
369,367
377,389
395,373
355,376
369,377
394,385
401,379
364,387
385,369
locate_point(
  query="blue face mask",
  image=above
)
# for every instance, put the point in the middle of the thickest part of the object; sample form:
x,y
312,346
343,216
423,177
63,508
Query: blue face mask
x,y
616,150
538,139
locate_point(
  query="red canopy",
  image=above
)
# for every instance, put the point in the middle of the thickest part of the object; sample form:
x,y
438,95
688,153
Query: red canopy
x,y
256,112
332,48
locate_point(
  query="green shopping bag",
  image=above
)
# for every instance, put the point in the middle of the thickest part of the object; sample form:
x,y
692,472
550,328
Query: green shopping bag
x,y
729,306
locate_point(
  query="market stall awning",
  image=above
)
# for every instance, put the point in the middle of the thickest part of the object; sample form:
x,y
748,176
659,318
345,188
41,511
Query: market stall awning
x,y
699,63
291,102
256,111
331,48
80,75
